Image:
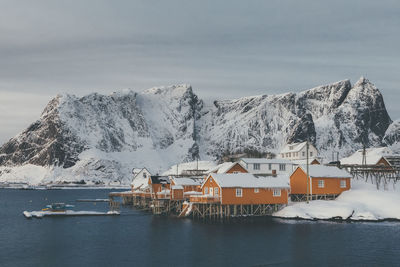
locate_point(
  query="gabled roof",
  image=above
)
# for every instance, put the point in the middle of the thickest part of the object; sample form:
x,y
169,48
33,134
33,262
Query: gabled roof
x,y
296,147
248,180
322,171
372,156
187,180
266,161
304,161
223,167
139,181
155,179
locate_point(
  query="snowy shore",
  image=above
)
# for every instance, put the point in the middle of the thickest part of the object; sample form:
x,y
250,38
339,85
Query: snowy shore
x,y
362,203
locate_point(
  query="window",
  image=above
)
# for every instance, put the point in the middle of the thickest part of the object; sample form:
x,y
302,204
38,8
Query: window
x,y
282,167
256,166
256,190
144,175
235,172
343,184
321,183
283,155
291,147
304,154
210,179
205,190
211,191
269,166
239,192
276,193
311,153
216,191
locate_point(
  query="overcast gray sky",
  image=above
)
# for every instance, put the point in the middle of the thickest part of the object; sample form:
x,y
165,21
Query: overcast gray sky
x,y
225,49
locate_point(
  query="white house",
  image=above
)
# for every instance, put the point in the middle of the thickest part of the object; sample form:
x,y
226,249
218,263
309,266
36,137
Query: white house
x,y
298,151
140,178
267,166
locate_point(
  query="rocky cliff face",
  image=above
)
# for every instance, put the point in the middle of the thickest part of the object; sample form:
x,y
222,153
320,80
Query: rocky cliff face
x,y
100,138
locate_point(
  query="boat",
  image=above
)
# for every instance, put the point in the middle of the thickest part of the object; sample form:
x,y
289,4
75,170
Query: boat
x,y
57,207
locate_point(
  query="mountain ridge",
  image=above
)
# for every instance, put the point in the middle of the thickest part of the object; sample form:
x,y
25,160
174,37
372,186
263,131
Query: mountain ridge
x,y
101,137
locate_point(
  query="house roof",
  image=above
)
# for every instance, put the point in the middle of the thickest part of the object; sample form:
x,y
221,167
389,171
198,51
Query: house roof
x,y
155,179
296,147
303,161
322,171
139,181
187,180
223,167
372,155
266,161
248,180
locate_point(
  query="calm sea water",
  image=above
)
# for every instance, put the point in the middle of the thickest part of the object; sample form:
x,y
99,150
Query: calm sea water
x,y
140,239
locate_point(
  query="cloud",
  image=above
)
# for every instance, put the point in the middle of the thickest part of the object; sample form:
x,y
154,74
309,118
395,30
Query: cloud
x,y
224,49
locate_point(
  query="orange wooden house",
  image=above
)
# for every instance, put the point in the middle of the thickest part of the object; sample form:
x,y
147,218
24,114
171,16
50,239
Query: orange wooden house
x,y
183,187
243,189
324,182
159,187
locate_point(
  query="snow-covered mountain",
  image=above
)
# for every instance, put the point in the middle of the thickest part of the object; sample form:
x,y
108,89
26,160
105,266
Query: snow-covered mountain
x,y
100,138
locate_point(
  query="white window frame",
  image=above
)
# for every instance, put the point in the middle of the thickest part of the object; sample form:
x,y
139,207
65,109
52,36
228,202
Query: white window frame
x,y
211,191
235,172
321,183
206,190
239,192
311,153
256,166
303,154
269,166
216,191
282,167
256,190
276,193
343,183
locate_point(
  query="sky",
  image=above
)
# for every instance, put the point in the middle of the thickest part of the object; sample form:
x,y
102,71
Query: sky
x,y
224,49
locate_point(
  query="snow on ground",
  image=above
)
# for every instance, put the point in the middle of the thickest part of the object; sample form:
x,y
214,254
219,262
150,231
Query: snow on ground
x,y
362,202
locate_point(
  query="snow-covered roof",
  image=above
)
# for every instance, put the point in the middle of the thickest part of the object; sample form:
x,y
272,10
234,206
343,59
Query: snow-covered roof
x,y
223,167
177,187
192,193
322,171
304,161
164,192
372,155
188,166
265,161
248,180
160,179
139,181
296,147
187,181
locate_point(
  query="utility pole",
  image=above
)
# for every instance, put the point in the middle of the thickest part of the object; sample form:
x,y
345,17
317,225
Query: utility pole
x,y
364,156
308,176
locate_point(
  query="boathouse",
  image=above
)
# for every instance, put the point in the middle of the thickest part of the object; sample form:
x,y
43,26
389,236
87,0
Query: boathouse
x,y
325,182
183,187
240,194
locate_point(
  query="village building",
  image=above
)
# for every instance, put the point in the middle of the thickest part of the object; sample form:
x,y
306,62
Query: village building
x,y
239,194
370,156
184,187
325,182
159,186
263,166
298,151
140,178
228,167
